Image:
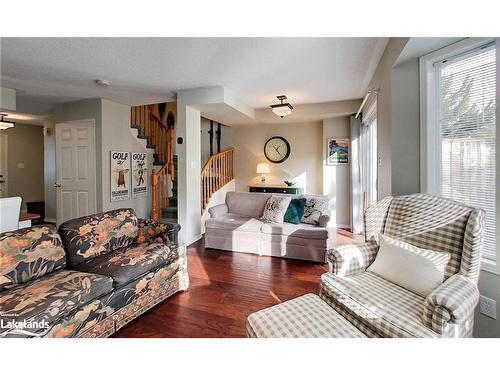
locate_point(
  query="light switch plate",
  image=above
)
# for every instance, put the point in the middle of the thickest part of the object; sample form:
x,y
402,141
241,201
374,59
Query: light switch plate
x,y
488,307
20,165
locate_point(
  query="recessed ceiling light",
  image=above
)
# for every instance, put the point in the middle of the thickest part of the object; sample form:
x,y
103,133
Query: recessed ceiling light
x,y
103,82
282,109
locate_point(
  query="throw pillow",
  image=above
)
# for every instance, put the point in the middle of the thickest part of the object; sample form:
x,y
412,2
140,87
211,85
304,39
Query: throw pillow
x,y
295,211
408,266
275,209
315,207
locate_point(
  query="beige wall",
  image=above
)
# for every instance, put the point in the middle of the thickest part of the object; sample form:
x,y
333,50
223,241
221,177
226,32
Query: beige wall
x,y
25,162
336,178
304,164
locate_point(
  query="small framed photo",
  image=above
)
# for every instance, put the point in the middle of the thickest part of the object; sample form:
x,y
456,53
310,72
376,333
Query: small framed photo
x,y
337,152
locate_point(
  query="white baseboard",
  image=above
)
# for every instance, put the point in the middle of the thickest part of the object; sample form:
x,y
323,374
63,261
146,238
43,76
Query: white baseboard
x,y
50,220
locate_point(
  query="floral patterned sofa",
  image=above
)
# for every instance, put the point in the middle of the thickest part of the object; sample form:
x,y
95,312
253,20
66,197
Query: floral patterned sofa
x,y
89,278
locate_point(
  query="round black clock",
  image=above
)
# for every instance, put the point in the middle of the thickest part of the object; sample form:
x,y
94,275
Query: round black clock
x,y
277,149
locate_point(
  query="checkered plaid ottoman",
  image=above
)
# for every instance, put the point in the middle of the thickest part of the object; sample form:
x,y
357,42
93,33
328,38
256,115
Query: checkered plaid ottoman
x,y
306,316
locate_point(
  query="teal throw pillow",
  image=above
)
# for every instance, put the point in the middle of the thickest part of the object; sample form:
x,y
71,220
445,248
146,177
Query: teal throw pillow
x,y
295,211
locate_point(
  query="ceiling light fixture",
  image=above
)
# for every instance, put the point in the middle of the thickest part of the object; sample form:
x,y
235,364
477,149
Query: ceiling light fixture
x,y
282,109
5,124
103,82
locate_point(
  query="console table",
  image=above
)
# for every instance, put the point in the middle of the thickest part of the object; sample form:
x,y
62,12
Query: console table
x,y
283,189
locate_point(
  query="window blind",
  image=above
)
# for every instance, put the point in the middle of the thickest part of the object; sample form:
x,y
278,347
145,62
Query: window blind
x,y
466,95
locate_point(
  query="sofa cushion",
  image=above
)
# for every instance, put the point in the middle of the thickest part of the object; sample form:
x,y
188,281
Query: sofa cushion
x,y
275,209
376,305
127,264
29,253
295,211
246,204
94,235
234,222
315,207
50,298
292,230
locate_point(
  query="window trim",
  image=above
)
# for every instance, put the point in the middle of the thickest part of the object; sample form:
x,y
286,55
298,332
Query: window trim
x,y
429,129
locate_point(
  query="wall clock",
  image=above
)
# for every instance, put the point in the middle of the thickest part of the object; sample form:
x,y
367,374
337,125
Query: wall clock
x,y
277,149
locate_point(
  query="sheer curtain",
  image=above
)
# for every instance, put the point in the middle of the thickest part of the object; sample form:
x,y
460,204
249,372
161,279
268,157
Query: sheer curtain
x,y
356,187
369,154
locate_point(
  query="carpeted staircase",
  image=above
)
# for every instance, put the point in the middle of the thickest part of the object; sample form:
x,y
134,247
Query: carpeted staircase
x,y
169,214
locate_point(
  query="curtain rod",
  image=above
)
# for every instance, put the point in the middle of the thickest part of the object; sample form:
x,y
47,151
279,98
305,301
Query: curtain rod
x,y
370,91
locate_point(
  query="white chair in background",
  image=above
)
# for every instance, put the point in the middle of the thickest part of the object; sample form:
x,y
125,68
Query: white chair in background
x,y
10,209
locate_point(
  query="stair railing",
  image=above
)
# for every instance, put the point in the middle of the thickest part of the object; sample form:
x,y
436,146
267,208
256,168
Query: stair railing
x,y
217,172
160,136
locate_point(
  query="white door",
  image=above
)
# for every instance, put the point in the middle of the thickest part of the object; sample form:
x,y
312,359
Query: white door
x,y
75,170
3,166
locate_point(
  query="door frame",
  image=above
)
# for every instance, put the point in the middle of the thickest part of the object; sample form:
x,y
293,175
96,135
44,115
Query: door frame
x,y
89,121
6,159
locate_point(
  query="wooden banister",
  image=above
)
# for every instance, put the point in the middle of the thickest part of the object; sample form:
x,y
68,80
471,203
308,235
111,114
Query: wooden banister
x,y
217,172
160,135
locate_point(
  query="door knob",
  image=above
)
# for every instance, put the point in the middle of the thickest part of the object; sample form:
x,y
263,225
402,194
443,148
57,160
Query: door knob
x,y
56,185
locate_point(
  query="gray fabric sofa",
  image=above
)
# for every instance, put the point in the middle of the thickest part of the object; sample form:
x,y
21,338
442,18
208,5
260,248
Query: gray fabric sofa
x,y
235,226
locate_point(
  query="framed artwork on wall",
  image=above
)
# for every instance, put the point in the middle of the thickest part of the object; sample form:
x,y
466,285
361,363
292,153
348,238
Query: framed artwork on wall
x,y
139,175
337,151
120,175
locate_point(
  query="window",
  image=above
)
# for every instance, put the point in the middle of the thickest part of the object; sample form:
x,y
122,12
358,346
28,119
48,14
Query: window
x,y
460,132
368,153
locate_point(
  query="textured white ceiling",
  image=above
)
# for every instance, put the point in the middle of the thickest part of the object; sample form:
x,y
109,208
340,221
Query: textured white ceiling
x,y
46,71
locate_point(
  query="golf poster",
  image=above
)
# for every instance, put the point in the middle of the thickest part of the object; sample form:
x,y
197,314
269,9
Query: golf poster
x,y
120,175
139,169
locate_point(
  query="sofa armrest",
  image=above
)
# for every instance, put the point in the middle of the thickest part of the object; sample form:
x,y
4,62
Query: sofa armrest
x,y
452,303
323,221
155,231
218,211
351,259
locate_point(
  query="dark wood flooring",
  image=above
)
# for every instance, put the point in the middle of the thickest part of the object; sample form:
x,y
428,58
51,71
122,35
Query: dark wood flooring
x,y
225,287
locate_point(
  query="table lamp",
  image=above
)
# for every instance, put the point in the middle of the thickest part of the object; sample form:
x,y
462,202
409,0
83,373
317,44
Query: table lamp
x,y
263,169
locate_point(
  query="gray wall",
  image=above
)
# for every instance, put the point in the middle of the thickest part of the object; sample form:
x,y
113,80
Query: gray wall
x,y
405,128
25,162
382,79
489,283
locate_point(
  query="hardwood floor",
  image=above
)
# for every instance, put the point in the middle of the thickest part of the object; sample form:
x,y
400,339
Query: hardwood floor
x,y
226,287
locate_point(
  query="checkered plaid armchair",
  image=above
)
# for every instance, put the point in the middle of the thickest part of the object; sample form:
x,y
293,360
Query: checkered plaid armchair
x,y
380,308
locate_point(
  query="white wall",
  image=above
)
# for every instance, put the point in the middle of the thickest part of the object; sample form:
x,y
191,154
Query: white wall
x,y
304,164
112,121
116,135
336,178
